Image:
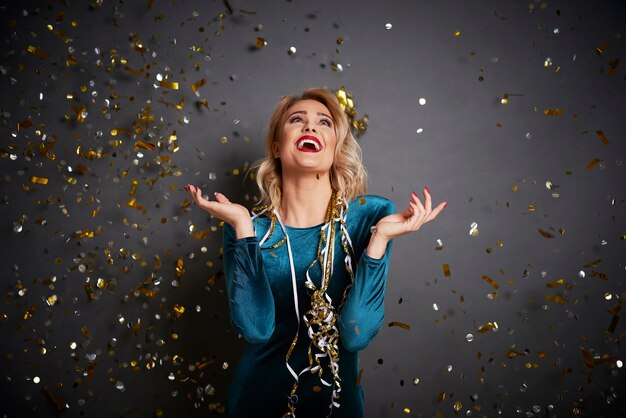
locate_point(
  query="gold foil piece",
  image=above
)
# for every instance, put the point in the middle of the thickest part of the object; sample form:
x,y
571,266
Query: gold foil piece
x,y
554,112
26,123
402,325
133,71
178,310
180,269
144,145
602,137
487,327
359,126
195,86
599,275
38,52
554,298
593,263
512,353
545,233
490,281
202,234
39,180
600,50
446,270
168,84
556,283
260,42
592,163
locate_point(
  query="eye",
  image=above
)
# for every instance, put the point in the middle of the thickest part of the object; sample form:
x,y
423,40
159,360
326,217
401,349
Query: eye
x,y
327,122
295,119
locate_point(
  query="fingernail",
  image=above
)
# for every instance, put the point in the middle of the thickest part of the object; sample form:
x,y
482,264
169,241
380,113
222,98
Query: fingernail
x,y
414,194
214,193
445,204
186,188
427,190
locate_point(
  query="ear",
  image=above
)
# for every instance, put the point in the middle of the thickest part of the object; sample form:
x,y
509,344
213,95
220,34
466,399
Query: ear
x,y
275,151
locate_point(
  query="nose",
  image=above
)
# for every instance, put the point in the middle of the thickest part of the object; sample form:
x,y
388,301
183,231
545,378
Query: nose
x,y
308,128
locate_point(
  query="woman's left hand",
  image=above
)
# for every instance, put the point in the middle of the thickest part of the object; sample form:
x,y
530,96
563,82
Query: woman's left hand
x,y
411,219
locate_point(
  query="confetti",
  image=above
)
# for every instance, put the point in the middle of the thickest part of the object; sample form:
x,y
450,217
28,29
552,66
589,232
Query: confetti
x,y
554,112
602,137
195,86
402,325
39,180
446,270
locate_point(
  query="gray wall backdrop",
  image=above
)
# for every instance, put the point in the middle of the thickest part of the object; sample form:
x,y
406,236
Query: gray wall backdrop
x,y
113,293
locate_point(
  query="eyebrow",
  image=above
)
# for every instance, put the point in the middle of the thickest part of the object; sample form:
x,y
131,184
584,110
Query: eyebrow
x,y
304,112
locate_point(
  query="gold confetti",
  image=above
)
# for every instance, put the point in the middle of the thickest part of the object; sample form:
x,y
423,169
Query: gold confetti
x,y
178,310
554,112
555,298
592,163
556,283
442,396
446,270
458,405
490,281
599,275
594,263
24,124
39,180
487,327
457,33
602,137
144,145
133,71
512,353
600,50
359,126
402,325
195,86
38,52
180,270
545,234
168,84
260,42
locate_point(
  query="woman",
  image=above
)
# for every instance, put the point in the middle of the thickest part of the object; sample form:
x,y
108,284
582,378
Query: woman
x,y
306,273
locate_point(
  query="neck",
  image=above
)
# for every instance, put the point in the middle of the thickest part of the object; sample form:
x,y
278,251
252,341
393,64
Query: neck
x,y
305,199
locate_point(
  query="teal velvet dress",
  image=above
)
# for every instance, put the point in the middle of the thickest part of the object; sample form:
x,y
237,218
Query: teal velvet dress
x,y
260,294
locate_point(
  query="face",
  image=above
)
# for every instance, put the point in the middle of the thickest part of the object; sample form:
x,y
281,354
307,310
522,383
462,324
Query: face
x,y
308,139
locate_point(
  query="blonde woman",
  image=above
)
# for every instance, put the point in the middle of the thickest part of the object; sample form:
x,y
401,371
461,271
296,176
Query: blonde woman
x,y
306,271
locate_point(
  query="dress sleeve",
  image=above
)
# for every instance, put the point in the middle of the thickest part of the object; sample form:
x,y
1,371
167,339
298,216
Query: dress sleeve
x,y
249,293
362,314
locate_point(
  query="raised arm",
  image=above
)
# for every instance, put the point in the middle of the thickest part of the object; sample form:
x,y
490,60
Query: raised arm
x,y
249,294
362,315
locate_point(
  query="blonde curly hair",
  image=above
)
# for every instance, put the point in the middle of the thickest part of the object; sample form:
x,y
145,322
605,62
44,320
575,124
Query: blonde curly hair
x,y
348,176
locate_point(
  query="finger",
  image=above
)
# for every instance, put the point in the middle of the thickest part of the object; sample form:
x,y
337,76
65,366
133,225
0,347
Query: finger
x,y
416,199
221,198
419,218
436,211
427,199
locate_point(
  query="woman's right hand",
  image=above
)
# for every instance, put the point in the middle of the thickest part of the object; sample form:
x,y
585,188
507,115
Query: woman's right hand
x,y
234,214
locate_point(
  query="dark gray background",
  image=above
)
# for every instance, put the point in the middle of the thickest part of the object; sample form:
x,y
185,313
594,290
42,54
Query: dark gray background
x,y
473,151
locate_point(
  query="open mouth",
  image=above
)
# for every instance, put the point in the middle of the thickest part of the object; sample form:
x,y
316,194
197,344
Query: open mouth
x,y
309,144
